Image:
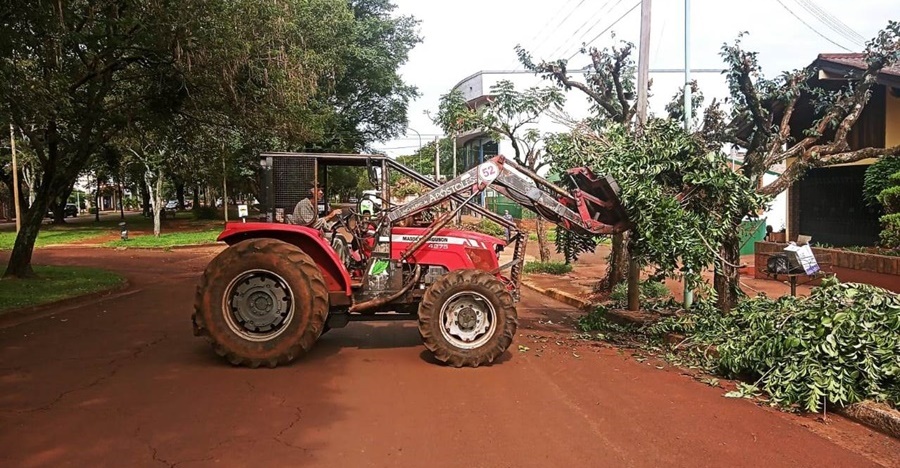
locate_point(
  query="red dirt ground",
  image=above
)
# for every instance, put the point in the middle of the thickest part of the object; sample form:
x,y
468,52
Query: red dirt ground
x,y
121,381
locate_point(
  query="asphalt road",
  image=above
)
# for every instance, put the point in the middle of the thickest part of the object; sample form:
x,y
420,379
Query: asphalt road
x,y
121,381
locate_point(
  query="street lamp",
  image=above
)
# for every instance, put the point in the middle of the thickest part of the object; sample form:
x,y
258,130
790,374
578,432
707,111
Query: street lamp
x,y
420,145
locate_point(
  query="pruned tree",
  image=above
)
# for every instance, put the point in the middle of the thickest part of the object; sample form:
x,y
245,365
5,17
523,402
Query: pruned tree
x,y
763,123
609,83
679,196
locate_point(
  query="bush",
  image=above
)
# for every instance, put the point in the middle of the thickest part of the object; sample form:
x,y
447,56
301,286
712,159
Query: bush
x,y
840,345
890,231
651,291
878,176
205,212
890,199
551,268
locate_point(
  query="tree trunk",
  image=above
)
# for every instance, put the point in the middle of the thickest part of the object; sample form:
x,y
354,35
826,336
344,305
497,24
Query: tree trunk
x,y
634,285
179,194
196,198
59,209
618,261
145,199
121,201
155,197
97,202
19,265
726,279
541,232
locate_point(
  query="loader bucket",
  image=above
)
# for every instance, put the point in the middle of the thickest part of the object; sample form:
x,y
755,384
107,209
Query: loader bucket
x,y
600,198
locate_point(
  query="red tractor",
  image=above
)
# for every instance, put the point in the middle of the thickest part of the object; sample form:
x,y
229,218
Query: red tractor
x,y
279,285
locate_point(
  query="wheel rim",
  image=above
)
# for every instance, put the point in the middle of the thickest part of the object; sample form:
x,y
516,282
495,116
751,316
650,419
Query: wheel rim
x,y
468,320
258,305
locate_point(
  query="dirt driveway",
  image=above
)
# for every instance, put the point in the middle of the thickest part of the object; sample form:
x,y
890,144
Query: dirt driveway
x,y
121,381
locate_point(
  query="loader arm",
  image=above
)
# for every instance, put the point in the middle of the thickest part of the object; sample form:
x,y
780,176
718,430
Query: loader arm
x,y
590,209
593,208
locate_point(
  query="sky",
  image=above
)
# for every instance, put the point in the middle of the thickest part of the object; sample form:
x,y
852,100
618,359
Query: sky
x,y
462,37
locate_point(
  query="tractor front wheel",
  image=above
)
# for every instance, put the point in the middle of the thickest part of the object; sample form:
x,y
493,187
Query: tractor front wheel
x,y
467,318
261,302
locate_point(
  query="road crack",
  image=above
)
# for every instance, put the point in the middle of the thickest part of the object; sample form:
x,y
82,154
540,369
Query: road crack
x,y
116,364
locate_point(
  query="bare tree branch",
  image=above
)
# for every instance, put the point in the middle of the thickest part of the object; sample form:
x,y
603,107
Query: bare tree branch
x,y
795,170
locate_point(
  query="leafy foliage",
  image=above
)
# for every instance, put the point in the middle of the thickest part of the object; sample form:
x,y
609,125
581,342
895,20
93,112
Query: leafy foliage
x,y
422,160
890,231
510,114
550,268
877,178
651,292
214,81
839,345
890,223
681,198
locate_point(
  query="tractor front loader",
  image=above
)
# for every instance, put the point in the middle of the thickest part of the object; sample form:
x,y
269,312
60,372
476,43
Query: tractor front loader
x,y
279,285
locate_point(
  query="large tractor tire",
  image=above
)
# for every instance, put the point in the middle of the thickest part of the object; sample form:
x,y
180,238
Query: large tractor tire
x,y
467,318
261,302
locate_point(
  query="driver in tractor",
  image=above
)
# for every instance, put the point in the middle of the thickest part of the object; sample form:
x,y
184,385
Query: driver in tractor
x,y
306,212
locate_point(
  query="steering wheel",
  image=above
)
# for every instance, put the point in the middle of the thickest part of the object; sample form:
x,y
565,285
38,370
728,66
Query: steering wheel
x,y
350,221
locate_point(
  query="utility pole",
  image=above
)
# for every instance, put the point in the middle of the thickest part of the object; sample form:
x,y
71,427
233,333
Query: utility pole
x,y
224,185
687,65
688,292
634,268
15,169
454,155
437,159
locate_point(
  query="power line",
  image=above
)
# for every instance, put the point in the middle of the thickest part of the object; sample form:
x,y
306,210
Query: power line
x,y
596,24
608,28
559,25
832,22
545,28
591,20
540,32
810,27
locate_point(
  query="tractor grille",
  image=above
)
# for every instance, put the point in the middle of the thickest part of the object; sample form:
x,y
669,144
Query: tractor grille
x,y
289,181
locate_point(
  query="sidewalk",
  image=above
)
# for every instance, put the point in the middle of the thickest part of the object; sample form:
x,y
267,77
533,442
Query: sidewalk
x,y
590,268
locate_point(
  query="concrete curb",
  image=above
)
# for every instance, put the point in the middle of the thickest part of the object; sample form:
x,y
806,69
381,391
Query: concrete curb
x,y
877,416
560,296
880,417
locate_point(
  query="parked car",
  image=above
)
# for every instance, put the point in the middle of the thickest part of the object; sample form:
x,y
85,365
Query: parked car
x,y
172,205
71,210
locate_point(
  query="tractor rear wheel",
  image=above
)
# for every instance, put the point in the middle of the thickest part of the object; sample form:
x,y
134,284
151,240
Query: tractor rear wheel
x,y
261,302
467,318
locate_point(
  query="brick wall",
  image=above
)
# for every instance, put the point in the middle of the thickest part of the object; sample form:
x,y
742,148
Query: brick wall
x,y
849,267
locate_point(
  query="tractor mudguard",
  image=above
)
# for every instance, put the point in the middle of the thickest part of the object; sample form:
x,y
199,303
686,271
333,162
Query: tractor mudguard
x,y
308,239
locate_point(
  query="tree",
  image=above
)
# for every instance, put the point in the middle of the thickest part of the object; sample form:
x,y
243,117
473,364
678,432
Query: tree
x,y
370,98
679,195
513,115
609,85
422,160
763,123
74,76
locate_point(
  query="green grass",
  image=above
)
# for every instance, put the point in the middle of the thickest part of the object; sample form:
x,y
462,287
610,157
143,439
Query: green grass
x,y
53,235
81,231
172,239
551,234
54,283
552,268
